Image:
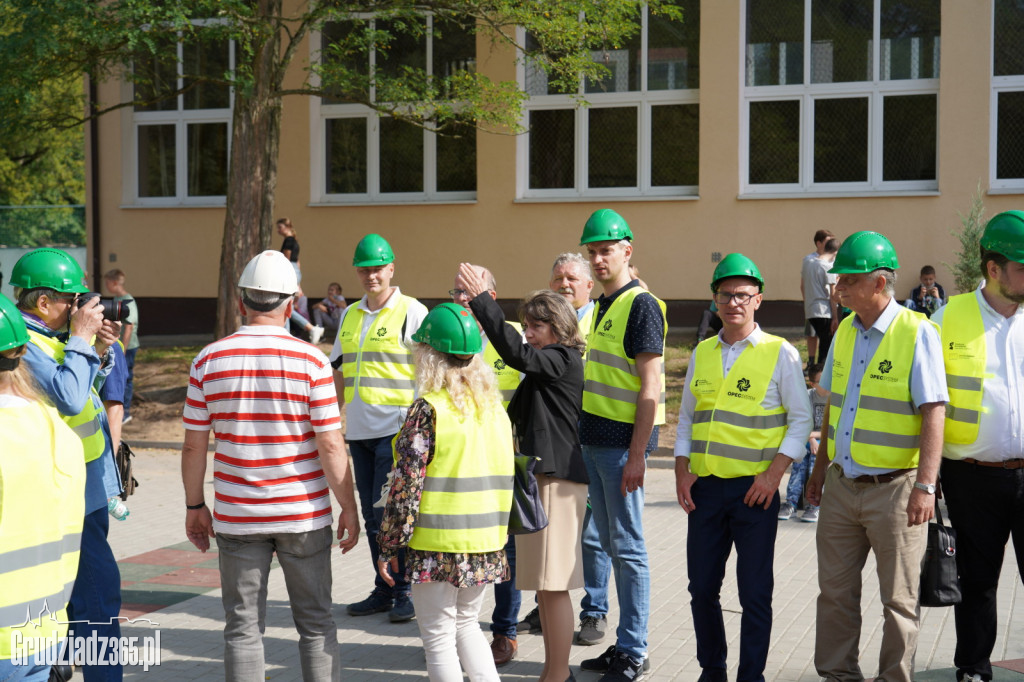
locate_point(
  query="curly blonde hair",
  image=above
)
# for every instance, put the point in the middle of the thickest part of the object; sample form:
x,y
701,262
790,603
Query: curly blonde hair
x,y
470,384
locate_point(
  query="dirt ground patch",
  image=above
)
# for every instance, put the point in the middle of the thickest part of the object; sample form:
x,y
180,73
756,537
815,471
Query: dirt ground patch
x,y
161,382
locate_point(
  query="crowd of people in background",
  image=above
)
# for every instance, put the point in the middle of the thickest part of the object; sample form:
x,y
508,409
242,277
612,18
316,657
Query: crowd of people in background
x,y
895,401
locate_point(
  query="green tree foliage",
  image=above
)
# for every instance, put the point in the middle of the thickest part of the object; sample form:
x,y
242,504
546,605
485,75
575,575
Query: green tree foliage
x,y
966,269
48,41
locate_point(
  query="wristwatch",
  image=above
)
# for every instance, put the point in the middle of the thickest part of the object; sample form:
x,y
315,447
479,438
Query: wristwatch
x,y
927,487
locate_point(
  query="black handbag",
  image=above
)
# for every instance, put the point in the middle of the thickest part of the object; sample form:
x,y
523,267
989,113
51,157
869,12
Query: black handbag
x,y
123,459
940,582
527,514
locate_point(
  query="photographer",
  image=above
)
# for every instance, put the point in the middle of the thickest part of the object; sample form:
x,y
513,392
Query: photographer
x,y
69,358
929,296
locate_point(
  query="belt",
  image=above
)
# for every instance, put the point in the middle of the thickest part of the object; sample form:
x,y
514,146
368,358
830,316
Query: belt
x,y
1006,464
877,478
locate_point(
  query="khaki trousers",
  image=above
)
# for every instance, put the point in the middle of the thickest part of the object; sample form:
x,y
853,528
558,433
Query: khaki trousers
x,y
855,518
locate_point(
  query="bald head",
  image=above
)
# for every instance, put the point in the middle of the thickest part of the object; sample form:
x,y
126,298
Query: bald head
x,y
484,274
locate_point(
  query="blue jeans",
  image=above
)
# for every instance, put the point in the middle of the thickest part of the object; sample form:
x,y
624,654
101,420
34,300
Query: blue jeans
x,y
507,599
305,560
372,460
619,522
720,519
798,476
96,596
597,570
129,386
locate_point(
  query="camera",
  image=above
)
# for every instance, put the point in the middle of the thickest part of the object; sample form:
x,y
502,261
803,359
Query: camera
x,y
115,311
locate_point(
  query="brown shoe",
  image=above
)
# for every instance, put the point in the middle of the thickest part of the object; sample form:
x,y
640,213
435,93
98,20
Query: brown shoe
x,y
503,649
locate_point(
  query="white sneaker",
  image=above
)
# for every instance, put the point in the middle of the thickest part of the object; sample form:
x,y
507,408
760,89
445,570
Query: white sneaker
x,y
785,511
315,334
810,515
971,678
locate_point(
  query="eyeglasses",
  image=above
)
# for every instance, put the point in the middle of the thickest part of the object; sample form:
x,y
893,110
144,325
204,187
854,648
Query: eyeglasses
x,y
455,293
725,298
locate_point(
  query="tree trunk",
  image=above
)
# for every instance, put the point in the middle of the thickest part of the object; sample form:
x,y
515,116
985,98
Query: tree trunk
x,y
252,179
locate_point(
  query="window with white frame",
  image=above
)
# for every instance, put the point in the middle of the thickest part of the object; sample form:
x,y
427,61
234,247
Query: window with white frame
x,y
638,135
361,156
840,97
181,143
1007,152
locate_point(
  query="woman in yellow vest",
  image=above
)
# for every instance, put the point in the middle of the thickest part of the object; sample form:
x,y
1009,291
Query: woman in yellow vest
x,y
450,495
42,504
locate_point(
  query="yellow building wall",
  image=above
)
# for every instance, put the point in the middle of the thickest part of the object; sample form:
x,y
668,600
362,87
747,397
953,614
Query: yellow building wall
x,y
175,252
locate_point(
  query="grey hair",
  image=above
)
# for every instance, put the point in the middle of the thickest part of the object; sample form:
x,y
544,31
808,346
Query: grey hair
x,y
574,258
264,301
890,280
28,299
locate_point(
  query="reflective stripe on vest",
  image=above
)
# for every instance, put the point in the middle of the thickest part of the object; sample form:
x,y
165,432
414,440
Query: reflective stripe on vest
x,y
378,366
611,383
508,378
87,422
965,351
467,491
887,425
43,474
733,435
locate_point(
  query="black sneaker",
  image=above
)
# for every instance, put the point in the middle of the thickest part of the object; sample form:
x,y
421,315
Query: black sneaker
x,y
375,603
403,610
623,668
531,623
602,663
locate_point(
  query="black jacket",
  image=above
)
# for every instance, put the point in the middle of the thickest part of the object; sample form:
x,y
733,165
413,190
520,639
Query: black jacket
x,y
545,410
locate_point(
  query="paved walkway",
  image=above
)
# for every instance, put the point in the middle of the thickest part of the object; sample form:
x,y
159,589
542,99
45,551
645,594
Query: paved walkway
x,y
172,585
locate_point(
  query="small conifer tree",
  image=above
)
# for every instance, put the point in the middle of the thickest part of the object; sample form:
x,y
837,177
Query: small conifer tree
x,y
966,269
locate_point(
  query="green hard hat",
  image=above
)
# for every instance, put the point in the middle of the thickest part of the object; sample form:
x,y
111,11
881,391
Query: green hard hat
x,y
450,328
736,265
1005,234
864,251
372,250
13,333
603,225
50,268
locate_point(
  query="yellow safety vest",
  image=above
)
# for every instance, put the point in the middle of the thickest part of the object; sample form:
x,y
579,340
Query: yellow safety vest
x,y
733,435
86,423
42,505
467,492
964,351
508,378
887,424
611,383
381,368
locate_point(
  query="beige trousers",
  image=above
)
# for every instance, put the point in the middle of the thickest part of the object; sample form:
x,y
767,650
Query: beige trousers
x,y
856,518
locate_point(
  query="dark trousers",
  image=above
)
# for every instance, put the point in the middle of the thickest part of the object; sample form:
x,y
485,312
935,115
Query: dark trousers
x,y
823,330
719,521
986,507
709,321
96,596
507,599
371,462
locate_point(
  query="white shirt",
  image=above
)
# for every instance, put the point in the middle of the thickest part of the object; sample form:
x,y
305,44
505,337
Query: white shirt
x,y
364,420
816,280
787,389
1000,431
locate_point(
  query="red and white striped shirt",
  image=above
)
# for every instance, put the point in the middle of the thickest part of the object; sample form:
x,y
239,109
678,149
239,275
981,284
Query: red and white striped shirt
x,y
265,394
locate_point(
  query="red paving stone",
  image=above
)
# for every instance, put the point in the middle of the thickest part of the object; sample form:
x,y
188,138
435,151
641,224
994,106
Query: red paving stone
x,y
197,577
168,557
135,610
1016,665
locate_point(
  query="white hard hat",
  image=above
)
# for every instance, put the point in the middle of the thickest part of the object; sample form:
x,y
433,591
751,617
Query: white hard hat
x,y
269,271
